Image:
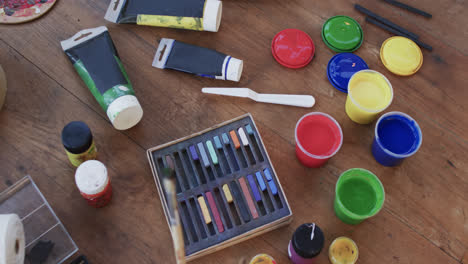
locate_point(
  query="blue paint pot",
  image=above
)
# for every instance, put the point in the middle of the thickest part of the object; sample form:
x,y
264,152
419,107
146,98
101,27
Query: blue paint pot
x,y
342,67
397,137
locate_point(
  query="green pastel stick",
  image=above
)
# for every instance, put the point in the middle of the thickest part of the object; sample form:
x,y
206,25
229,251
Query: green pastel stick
x,y
212,152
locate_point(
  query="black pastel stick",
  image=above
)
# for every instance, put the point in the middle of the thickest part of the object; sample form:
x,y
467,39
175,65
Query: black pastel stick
x,y
396,32
239,200
385,21
223,160
230,152
254,142
409,8
197,162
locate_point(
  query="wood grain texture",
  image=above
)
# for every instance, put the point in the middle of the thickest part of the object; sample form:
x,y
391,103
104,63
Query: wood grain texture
x,y
424,219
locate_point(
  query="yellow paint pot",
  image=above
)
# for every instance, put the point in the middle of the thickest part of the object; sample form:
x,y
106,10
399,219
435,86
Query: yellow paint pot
x,y
401,56
343,250
369,93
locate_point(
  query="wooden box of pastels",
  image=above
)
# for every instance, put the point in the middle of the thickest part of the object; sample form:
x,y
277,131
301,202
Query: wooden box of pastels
x,y
227,188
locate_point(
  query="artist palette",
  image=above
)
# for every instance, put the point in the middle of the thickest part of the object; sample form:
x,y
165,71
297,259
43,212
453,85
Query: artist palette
x,y
227,188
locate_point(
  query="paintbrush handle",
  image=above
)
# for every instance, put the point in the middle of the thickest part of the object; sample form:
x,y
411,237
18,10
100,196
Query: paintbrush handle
x,y
286,99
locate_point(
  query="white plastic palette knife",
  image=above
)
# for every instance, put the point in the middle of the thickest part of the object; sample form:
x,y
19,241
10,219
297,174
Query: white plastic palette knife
x,y
282,99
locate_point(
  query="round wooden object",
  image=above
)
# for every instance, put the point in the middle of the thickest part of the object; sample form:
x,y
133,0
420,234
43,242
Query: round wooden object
x,y
3,87
10,15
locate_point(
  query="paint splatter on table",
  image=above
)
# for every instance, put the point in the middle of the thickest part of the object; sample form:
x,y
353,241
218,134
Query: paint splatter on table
x,y
19,11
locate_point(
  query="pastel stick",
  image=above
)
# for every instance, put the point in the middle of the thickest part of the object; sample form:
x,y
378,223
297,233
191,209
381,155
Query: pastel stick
x,y
193,152
254,188
236,192
261,182
227,193
243,137
249,130
214,210
267,174
212,152
206,162
234,138
204,209
248,198
273,188
218,142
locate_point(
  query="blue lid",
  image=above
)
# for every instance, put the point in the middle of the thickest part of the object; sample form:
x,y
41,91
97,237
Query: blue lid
x,y
341,67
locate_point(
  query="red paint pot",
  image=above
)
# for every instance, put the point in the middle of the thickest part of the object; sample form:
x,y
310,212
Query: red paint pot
x,y
318,138
94,184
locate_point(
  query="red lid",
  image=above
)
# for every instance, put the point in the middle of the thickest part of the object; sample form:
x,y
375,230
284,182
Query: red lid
x,y
293,48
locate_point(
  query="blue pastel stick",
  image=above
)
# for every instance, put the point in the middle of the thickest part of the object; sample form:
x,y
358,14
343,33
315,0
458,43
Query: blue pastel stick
x,y
268,174
249,130
193,152
273,188
225,139
260,181
206,162
218,142
254,188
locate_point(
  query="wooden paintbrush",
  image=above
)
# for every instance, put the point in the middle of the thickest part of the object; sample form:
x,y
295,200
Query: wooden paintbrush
x,y
174,220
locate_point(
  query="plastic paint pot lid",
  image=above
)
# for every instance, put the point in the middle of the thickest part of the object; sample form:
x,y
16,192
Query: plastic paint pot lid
x,y
401,56
342,67
342,34
91,177
76,137
293,48
308,240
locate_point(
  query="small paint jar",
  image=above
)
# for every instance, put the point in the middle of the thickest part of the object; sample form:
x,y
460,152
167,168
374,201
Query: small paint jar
x,y
318,138
397,137
262,259
92,180
343,250
306,244
78,142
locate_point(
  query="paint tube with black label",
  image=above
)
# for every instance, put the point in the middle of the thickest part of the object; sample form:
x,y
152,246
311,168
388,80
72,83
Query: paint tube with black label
x,y
176,55
201,15
93,54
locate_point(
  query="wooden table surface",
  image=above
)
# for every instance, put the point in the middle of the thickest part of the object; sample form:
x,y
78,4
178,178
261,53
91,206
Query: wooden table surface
x,y
425,217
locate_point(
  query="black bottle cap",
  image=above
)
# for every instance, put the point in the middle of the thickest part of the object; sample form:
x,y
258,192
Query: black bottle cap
x,y
308,240
77,137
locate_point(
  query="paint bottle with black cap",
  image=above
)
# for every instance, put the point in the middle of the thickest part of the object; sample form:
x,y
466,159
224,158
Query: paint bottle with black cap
x,y
306,244
78,142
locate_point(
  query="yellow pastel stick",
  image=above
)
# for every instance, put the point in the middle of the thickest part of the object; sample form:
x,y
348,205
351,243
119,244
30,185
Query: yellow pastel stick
x,y
193,23
227,193
204,208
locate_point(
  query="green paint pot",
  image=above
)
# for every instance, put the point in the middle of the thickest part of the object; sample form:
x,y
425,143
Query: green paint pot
x,y
342,34
359,195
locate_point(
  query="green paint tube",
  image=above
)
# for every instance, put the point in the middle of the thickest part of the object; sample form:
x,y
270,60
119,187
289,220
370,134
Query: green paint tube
x,y
95,58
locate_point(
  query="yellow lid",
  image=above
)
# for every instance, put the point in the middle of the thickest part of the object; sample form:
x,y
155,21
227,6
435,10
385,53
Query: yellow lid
x,y
401,56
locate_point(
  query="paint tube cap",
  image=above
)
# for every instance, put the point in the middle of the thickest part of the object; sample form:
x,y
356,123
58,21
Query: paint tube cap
x,y
212,15
91,177
234,69
76,137
342,67
308,244
125,112
401,56
342,34
293,48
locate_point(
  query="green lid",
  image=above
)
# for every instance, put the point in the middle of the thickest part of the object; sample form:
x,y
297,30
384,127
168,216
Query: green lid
x,y
342,34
